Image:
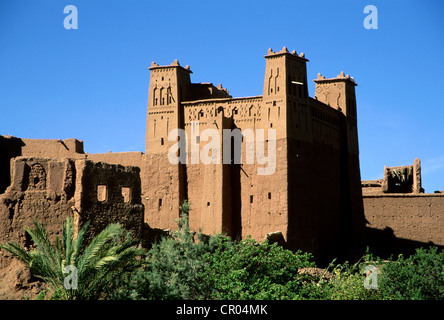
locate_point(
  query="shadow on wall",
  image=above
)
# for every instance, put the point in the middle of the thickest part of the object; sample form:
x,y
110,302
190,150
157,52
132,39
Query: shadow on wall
x,y
10,147
384,243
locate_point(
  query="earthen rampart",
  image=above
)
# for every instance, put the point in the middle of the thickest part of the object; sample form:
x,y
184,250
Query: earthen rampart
x,y
399,214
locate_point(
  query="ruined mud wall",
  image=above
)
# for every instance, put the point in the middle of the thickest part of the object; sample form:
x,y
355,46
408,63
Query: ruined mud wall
x,y
48,190
123,158
107,193
416,217
43,190
52,148
11,147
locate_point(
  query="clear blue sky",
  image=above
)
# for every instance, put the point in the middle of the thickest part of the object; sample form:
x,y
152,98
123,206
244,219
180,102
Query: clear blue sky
x,y
92,83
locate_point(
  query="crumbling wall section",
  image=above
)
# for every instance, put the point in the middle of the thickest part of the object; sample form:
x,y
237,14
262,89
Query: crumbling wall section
x,y
11,147
123,158
42,189
108,193
53,148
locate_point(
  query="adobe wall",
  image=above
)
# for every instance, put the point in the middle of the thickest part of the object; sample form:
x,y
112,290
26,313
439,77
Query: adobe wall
x,y
107,193
43,190
234,198
264,199
325,210
11,147
52,148
417,217
48,190
133,159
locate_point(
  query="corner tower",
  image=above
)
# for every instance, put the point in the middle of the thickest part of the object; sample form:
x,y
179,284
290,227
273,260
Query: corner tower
x,y
285,83
168,87
163,183
339,93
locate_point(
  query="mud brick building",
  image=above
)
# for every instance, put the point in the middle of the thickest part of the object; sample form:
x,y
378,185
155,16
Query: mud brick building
x,y
311,199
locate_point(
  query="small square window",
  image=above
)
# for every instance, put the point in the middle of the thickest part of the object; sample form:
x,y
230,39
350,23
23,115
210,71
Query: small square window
x,y
101,193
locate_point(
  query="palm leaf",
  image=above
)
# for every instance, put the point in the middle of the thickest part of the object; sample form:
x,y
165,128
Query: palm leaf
x,y
97,244
78,243
100,264
16,250
41,239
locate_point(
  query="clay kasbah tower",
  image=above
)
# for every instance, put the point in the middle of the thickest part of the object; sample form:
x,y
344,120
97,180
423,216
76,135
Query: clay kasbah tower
x,y
282,165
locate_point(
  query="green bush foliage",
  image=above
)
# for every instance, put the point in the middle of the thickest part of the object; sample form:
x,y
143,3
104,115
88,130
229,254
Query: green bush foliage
x,y
418,277
173,268
188,265
252,270
347,282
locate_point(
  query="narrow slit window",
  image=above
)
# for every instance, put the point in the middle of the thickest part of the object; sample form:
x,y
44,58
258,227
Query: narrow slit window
x,y
161,141
269,195
126,194
160,203
251,199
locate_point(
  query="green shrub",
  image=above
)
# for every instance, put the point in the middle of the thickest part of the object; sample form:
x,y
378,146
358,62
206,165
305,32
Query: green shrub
x,y
252,270
418,277
348,283
173,268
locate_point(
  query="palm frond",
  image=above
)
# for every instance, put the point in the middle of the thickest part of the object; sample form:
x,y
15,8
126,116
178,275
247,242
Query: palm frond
x,y
16,250
97,244
99,265
78,243
41,239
